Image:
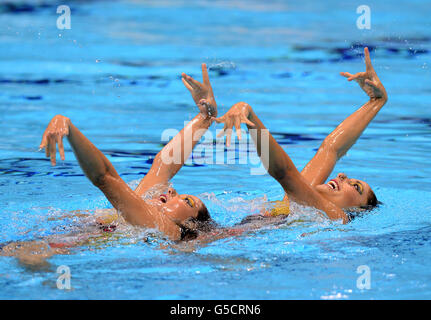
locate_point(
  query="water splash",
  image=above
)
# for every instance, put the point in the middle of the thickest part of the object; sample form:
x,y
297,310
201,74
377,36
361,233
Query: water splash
x,y
222,65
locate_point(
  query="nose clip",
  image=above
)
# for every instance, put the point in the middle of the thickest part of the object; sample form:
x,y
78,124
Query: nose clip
x,y
342,176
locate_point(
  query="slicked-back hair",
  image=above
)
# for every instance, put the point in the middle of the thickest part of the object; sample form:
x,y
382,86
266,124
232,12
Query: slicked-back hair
x,y
191,227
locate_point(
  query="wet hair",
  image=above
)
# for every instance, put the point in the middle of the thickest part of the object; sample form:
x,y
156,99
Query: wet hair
x,y
191,227
372,203
203,214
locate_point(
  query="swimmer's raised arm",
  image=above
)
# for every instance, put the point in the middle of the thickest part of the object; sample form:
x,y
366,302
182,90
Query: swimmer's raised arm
x,y
339,141
103,175
276,161
172,157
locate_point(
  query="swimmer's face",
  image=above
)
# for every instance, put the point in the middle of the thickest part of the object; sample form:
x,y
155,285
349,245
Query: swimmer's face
x,y
178,207
345,192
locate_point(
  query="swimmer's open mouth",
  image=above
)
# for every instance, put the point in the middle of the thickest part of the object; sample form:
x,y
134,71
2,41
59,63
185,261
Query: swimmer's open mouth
x,y
163,198
334,185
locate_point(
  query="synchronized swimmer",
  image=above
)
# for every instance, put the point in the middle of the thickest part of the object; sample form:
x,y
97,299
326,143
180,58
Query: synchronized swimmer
x,y
185,216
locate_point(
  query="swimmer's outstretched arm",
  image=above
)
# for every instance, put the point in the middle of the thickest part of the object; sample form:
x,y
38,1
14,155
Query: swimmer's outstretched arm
x,y
339,141
276,161
103,175
172,157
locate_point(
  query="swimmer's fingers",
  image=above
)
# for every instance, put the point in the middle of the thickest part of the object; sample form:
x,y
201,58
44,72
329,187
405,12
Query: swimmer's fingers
x,y
220,134
232,121
60,147
354,76
192,82
246,121
227,131
372,83
187,82
47,150
205,76
346,74
223,132
237,124
357,76
52,150
44,144
229,136
187,85
195,85
368,65
219,119
44,141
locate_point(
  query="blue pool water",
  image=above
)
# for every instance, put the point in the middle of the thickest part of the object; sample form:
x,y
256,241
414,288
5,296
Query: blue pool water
x,y
116,74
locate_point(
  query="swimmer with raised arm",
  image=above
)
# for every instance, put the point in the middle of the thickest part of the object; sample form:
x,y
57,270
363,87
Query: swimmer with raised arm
x,y
178,216
185,217
308,186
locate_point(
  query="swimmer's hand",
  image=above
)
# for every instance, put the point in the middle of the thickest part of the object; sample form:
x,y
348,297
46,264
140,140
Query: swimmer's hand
x,y
368,80
54,133
199,90
237,114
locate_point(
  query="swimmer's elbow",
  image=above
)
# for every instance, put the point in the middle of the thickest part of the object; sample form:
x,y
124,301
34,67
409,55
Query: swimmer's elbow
x,y
279,173
101,180
384,100
289,179
103,175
